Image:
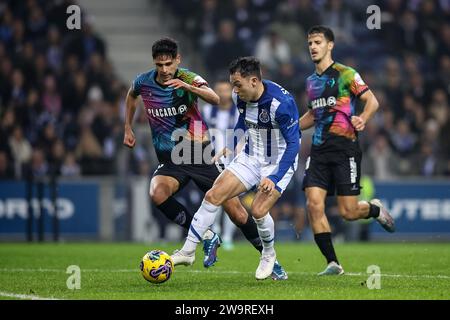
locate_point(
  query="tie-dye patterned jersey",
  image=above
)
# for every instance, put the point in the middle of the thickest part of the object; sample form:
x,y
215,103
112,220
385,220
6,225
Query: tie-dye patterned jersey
x,y
168,110
332,97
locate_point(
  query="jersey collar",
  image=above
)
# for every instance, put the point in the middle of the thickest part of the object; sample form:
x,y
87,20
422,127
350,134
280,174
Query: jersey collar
x,y
326,70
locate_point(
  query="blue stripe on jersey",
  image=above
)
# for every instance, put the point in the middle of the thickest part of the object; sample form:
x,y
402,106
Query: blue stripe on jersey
x,y
287,117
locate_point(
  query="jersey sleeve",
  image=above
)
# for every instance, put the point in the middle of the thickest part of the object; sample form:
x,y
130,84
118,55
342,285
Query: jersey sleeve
x,y
287,119
136,85
357,84
192,78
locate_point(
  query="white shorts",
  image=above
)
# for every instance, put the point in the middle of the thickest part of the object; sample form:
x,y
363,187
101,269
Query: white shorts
x,y
249,170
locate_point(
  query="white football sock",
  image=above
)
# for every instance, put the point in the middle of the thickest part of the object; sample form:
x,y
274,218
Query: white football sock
x,y
201,222
266,231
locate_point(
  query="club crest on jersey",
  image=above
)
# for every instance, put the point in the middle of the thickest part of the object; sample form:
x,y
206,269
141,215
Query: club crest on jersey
x,y
264,116
331,82
179,92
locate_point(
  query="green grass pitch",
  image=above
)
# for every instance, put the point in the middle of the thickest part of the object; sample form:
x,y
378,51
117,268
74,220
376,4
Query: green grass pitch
x,y
111,271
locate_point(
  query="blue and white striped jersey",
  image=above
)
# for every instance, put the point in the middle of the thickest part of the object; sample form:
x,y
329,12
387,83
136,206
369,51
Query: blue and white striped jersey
x,y
272,128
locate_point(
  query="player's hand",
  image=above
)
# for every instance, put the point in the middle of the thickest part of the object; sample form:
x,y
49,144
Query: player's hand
x,y
266,186
224,152
177,84
129,140
358,123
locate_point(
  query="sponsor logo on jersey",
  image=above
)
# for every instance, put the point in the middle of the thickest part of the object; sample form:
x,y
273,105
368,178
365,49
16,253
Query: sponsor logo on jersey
x,y
323,102
252,125
167,112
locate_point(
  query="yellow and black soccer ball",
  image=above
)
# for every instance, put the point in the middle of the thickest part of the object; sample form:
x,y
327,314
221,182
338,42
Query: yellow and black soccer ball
x,y
156,266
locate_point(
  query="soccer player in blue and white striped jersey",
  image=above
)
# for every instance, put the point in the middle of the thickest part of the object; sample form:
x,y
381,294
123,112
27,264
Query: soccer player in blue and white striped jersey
x,y
269,118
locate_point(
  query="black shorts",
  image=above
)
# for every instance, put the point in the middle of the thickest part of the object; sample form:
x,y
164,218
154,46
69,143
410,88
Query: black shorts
x,y
203,175
334,170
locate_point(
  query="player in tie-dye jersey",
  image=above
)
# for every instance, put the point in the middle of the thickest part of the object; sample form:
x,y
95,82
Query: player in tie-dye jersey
x,y
180,137
335,159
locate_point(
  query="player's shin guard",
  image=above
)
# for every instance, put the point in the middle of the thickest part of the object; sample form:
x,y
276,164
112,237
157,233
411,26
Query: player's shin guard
x,y
201,222
176,212
250,231
266,231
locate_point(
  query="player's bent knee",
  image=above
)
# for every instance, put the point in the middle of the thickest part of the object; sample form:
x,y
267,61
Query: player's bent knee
x,y
213,197
315,208
159,195
258,212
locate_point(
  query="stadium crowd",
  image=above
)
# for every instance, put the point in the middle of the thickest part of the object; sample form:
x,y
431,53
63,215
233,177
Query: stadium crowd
x,y
61,103
59,97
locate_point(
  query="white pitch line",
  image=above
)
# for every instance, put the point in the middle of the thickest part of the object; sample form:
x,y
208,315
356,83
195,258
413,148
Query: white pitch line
x,y
23,296
221,271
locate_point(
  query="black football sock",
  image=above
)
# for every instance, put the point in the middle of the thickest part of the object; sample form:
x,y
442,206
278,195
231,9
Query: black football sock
x,y
176,212
250,232
325,245
374,211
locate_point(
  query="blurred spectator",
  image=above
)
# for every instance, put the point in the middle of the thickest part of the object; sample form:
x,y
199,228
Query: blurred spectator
x,y
54,50
403,139
225,49
291,32
272,50
307,15
410,34
340,20
6,172
443,48
20,150
427,163
381,162
51,99
39,165
70,167
86,43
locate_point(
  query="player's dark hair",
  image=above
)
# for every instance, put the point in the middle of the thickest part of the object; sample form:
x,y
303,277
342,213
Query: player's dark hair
x,y
327,32
246,66
165,47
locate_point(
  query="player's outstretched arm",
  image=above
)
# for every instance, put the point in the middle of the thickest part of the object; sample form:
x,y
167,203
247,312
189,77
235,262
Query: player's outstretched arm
x,y
204,92
129,139
307,120
370,107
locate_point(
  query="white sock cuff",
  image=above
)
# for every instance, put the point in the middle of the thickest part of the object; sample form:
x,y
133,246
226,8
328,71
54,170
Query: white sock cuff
x,y
209,206
263,219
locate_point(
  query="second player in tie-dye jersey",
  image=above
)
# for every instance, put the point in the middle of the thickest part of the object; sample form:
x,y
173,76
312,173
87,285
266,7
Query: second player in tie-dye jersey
x,y
334,164
332,97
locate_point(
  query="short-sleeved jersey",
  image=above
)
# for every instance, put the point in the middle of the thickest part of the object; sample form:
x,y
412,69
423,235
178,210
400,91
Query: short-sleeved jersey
x,y
332,98
169,110
271,123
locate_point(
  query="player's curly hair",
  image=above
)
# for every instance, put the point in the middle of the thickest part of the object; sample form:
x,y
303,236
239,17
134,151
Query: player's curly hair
x,y
246,66
327,32
165,47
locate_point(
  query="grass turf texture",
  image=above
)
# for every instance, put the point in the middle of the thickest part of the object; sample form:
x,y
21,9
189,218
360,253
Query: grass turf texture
x,y
111,271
